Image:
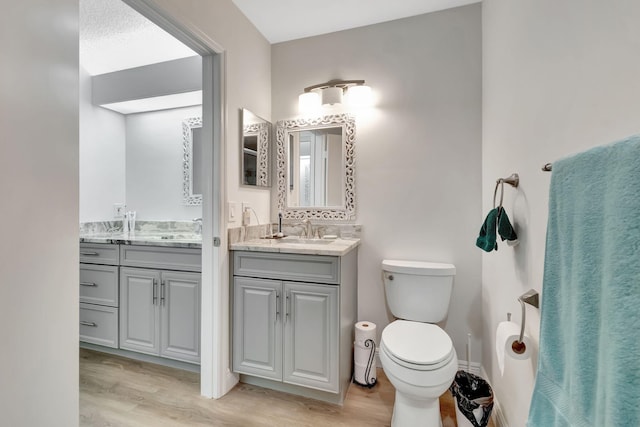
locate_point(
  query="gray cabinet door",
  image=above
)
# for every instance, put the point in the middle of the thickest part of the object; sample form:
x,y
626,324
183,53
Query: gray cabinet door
x,y
257,327
139,310
180,316
311,336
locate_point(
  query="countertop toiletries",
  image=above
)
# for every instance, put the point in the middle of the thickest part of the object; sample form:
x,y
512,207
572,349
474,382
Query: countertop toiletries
x,y
280,233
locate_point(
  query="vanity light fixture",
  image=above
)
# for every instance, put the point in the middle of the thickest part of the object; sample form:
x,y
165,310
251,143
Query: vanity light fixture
x,y
354,92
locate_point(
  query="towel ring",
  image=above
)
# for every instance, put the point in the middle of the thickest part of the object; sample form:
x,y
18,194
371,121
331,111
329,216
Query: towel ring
x,y
513,180
499,183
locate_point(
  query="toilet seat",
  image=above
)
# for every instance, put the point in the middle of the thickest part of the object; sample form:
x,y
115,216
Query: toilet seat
x,y
418,346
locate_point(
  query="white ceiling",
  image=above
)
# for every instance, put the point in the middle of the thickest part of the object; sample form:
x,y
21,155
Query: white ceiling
x,y
282,20
115,37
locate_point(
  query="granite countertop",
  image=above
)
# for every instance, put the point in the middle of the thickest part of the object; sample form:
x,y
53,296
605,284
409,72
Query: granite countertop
x,y
179,240
292,245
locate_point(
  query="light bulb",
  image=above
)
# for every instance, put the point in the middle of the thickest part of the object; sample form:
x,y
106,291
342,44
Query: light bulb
x,y
308,102
359,96
332,95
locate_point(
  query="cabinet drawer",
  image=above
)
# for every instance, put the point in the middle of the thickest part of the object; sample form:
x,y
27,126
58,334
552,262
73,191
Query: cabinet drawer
x,y
99,284
99,325
166,258
301,268
97,253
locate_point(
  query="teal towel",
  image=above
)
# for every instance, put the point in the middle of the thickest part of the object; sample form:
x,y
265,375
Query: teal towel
x,y
487,237
589,360
497,219
505,230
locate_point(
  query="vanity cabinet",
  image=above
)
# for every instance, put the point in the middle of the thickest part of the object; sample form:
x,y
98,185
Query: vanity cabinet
x,y
293,319
98,289
160,309
141,298
287,331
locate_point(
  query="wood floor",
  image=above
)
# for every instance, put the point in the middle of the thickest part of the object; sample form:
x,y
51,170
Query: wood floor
x,y
115,391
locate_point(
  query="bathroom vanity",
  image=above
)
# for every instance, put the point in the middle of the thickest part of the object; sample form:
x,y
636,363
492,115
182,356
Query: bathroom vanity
x,y
141,295
293,310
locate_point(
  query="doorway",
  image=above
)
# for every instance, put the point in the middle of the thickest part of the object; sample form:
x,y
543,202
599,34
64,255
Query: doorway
x,y
210,164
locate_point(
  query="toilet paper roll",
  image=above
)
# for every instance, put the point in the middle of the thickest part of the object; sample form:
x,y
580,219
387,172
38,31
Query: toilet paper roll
x,y
364,371
360,372
506,334
364,331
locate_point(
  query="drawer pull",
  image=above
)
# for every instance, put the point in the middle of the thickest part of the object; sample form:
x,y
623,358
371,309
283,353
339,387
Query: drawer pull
x,y
88,284
162,293
92,324
154,298
89,253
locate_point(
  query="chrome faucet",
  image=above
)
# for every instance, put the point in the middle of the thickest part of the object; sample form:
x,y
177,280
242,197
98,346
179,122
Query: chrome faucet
x,y
308,228
197,225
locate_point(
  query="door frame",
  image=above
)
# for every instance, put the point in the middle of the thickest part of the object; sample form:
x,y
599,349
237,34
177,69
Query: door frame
x,y
214,381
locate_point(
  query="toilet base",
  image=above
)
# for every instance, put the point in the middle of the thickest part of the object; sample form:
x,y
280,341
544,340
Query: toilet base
x,y
411,412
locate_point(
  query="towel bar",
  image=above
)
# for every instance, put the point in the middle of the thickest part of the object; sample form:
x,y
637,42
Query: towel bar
x,y
547,167
530,297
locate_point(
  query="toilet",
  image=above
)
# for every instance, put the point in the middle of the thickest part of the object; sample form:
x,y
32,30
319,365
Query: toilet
x,y
416,354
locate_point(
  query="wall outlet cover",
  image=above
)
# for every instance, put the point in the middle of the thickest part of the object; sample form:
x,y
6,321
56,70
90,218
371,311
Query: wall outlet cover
x,y
118,210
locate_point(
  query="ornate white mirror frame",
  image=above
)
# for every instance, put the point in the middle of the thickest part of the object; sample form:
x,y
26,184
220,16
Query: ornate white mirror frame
x,y
258,128
331,213
188,198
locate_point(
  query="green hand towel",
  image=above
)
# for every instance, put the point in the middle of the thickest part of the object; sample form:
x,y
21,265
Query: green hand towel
x,y
505,230
487,238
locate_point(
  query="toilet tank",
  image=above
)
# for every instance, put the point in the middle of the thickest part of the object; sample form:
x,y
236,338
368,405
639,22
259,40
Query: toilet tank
x,y
418,290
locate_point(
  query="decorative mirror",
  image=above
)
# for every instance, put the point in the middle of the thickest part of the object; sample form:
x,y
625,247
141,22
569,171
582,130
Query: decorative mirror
x,y
316,167
254,143
192,149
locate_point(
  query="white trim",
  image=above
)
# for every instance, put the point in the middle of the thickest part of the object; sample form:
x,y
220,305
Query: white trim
x,y
475,368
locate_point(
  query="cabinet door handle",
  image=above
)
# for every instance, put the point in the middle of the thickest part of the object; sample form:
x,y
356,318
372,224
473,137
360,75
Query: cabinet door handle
x,y
287,308
89,253
154,299
277,304
93,324
88,284
162,293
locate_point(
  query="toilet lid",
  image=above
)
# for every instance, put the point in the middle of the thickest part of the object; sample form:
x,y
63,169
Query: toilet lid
x,y
417,343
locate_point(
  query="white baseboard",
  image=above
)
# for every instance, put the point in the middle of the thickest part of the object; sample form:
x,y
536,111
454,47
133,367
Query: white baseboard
x,y
475,367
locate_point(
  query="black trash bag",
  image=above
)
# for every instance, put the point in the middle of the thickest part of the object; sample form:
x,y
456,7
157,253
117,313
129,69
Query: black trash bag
x,y
472,392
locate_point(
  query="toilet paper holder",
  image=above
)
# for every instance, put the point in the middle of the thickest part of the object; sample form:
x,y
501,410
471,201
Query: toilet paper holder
x,y
532,298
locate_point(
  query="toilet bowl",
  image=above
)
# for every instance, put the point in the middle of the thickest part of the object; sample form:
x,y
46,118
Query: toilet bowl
x,y
417,356
420,362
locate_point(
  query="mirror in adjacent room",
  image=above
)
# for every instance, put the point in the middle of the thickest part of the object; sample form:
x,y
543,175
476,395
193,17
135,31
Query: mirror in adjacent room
x,y
192,149
254,143
316,168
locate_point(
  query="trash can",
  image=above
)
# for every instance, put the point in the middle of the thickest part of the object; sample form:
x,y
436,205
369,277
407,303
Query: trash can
x,y
474,399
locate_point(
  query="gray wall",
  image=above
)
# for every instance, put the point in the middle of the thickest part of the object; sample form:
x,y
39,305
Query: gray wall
x,y
417,151
247,69
102,157
39,193
559,78
154,164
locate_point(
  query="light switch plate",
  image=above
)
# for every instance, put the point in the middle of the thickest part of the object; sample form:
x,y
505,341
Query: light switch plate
x,y
235,211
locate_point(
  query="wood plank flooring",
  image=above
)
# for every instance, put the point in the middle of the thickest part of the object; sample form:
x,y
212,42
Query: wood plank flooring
x,y
116,391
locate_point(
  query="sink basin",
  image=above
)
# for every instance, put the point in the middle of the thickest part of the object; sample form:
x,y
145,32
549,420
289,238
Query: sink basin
x,y
169,237
302,241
